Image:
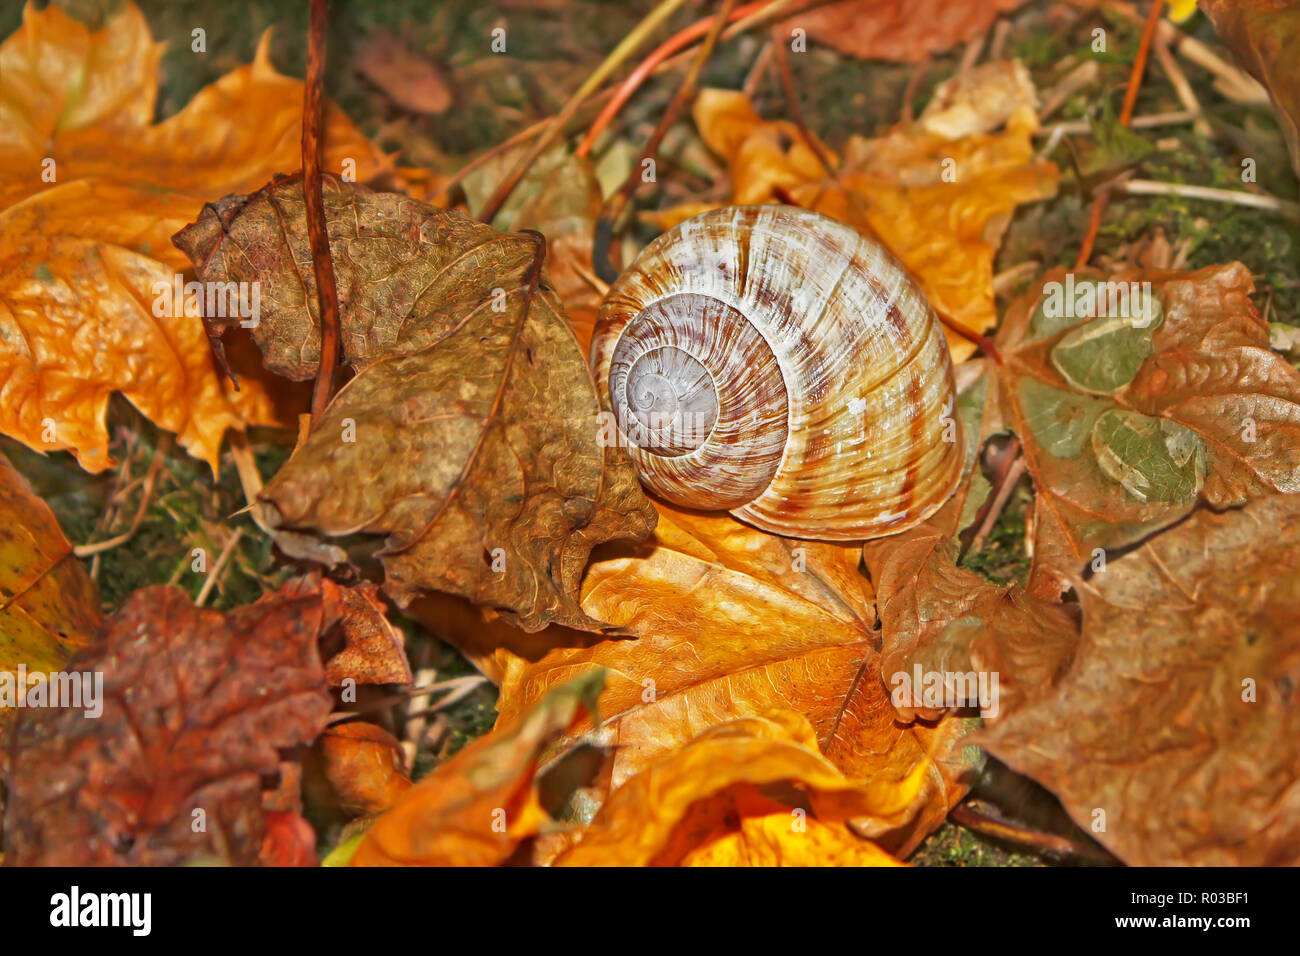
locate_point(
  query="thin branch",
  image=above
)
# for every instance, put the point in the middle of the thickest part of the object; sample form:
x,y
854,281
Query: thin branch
x,y
1102,199
312,158
556,126
146,495
219,568
618,202
1151,187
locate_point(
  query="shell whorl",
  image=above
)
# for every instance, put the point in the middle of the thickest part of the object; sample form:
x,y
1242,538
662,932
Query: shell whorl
x,y
772,362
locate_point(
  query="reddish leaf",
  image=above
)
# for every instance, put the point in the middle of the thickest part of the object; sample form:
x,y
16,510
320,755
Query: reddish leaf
x,y
196,705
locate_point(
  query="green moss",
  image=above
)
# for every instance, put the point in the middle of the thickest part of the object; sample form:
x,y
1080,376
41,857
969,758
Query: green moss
x,y
1002,559
954,845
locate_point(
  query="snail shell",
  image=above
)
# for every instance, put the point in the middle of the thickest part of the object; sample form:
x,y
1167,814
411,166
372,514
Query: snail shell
x,y
774,363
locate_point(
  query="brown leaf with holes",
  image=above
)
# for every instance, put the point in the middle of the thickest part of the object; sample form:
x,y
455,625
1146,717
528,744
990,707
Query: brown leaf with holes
x,y
471,437
1177,725
1132,415
728,622
374,650
196,706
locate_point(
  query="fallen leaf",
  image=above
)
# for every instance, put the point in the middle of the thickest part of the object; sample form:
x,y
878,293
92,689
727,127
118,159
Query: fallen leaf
x,y
195,706
476,809
771,841
992,645
1173,736
559,197
1129,421
363,764
374,651
49,608
767,767
289,841
92,194
1262,35
906,30
472,396
412,81
729,622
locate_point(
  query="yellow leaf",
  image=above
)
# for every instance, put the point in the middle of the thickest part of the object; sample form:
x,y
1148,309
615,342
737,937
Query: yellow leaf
x,y
770,841
49,608
91,197
766,767
729,622
76,325
475,809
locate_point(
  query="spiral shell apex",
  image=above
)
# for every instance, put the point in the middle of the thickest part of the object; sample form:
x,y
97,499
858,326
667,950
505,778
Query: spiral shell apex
x,y
772,362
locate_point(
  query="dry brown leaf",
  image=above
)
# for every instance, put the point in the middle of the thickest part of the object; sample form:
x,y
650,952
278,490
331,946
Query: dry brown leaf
x,y
685,802
91,195
1262,35
374,651
412,81
363,764
49,607
907,30
938,619
196,706
729,622
476,809
472,398
1173,737
559,197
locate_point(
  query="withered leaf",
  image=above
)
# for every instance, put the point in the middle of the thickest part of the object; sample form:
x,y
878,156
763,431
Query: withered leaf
x,y
195,705
1130,417
470,437
729,622
408,274
49,607
374,650
475,809
560,197
363,764
941,619
906,30
1174,736
1262,35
